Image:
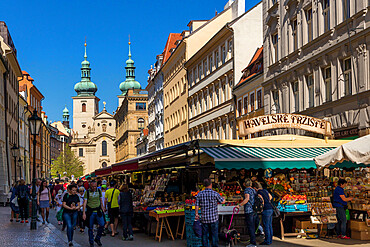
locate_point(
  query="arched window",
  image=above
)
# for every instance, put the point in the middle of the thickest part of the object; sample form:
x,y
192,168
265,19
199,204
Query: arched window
x,y
83,107
140,123
104,165
104,148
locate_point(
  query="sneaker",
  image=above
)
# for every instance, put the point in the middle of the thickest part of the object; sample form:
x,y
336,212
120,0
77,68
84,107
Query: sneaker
x,y
345,237
98,242
339,236
70,244
22,221
26,221
124,239
130,238
43,222
47,220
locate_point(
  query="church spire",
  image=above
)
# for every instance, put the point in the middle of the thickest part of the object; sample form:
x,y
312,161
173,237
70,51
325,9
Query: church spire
x,y
130,82
85,87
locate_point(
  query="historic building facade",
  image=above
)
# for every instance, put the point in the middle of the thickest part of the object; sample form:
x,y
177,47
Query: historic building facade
x,y
132,113
93,131
248,91
24,136
211,72
155,96
316,61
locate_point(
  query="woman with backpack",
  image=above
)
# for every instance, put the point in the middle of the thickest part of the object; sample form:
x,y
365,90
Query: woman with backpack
x,y
23,200
44,201
266,213
250,216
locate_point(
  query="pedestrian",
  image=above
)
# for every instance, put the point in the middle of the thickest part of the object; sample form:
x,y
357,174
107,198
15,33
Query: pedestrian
x,y
23,200
64,224
106,219
207,200
44,201
266,213
93,211
81,223
71,205
340,204
14,203
126,211
111,200
250,215
59,203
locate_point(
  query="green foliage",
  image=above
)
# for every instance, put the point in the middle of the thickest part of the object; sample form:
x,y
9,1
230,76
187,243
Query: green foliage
x,y
67,162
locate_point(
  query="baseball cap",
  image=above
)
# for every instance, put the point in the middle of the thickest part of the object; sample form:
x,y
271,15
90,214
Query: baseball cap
x,y
104,182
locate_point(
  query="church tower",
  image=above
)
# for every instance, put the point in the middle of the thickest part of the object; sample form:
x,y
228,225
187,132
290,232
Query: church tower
x,y
85,104
130,82
66,117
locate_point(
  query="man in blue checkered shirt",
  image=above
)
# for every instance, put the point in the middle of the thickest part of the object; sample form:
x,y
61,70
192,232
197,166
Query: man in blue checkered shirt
x,y
207,200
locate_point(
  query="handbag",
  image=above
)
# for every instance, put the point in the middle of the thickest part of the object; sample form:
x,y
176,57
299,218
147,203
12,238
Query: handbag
x,y
15,201
197,228
109,204
276,213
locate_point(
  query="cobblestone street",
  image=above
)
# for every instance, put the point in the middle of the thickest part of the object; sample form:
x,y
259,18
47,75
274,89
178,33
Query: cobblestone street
x,y
17,234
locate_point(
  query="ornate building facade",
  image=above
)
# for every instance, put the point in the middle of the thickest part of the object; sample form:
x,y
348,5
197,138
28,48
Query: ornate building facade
x,y
132,113
316,61
93,131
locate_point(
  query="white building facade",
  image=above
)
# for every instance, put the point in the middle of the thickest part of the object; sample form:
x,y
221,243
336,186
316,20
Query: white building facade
x,y
316,61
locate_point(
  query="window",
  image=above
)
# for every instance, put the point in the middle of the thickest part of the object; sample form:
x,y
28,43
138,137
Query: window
x,y
210,63
231,47
200,105
140,123
217,59
205,67
326,14
81,152
274,39
252,101
195,74
246,104
295,89
259,99
200,71
327,81
83,107
191,78
223,54
104,148
217,96
140,106
346,9
309,24
239,108
275,99
310,87
347,72
294,33
205,102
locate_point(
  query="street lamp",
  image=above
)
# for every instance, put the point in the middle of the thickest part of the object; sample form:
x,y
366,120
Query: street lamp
x,y
15,155
35,124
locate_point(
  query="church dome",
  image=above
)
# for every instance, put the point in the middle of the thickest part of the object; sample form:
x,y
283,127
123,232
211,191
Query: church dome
x,y
130,82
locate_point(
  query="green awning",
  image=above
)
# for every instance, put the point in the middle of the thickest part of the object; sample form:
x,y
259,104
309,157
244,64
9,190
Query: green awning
x,y
234,157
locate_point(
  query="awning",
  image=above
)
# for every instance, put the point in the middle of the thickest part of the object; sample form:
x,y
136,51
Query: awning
x,y
103,171
125,166
236,157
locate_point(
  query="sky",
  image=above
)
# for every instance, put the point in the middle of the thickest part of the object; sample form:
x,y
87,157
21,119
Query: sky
x,y
49,36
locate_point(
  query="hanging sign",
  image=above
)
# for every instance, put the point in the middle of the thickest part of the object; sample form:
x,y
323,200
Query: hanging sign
x,y
284,120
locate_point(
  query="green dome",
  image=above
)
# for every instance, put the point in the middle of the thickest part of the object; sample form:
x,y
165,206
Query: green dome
x,y
85,87
65,111
65,114
130,82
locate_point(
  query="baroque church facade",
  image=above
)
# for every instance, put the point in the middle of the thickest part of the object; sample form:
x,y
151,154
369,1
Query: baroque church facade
x,y
93,133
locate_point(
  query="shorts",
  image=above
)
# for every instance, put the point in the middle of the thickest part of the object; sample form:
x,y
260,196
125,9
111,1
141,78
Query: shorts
x,y
113,213
44,204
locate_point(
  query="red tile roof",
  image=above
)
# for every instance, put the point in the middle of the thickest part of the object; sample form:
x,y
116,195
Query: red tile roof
x,y
254,67
172,38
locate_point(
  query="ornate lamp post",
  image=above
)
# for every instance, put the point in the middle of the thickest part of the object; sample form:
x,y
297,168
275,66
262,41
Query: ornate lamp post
x,y
35,124
15,155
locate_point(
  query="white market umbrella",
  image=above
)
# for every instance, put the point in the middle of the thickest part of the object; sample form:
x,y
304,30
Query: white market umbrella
x,y
357,151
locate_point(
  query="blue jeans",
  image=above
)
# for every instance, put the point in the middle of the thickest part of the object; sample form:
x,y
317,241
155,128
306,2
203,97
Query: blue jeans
x,y
70,218
250,221
267,225
127,226
207,230
100,220
342,221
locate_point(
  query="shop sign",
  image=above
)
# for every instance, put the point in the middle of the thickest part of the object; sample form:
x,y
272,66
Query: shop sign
x,y
346,133
284,120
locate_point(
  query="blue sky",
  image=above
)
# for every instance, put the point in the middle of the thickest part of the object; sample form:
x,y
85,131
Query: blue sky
x,y
49,37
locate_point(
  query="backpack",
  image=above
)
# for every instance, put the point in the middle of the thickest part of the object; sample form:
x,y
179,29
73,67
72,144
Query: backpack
x,y
258,204
22,192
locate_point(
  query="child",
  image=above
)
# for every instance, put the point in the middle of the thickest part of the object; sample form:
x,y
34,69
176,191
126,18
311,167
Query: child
x,y
58,200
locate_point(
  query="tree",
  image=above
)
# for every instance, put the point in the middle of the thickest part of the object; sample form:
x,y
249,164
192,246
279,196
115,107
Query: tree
x,y
67,162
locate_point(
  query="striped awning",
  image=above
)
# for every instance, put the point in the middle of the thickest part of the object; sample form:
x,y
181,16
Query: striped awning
x,y
236,157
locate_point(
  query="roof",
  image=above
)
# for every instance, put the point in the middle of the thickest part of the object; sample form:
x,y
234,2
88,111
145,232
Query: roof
x,y
253,69
172,38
